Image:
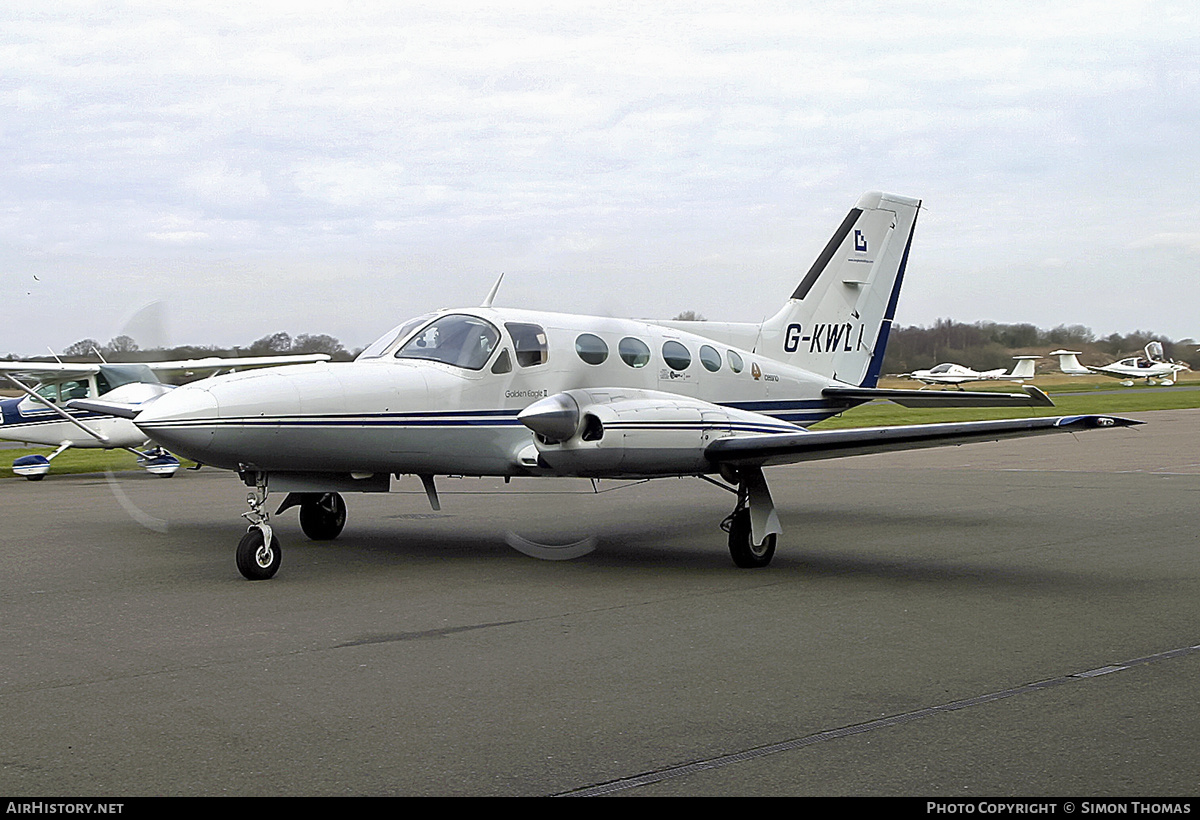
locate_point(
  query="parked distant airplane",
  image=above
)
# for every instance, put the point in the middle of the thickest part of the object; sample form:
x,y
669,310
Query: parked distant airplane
x,y
488,391
957,374
1153,367
40,417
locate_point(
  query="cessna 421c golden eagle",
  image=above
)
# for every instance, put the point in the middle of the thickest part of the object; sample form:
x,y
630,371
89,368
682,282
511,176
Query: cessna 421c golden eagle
x,y
489,391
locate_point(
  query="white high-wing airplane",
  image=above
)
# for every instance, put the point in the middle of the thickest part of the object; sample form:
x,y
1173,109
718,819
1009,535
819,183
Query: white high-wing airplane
x,y
1153,367
40,416
957,374
488,391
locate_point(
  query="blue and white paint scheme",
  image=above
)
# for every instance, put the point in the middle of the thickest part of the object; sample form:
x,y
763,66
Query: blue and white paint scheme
x,y
492,391
42,415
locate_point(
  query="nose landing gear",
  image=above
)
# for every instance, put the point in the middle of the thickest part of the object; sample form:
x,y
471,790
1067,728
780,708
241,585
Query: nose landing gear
x,y
258,553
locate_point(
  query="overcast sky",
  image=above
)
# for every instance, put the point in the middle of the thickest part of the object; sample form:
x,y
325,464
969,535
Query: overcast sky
x,y
337,167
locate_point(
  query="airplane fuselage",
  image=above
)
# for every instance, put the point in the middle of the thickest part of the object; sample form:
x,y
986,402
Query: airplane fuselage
x,y
1132,369
403,409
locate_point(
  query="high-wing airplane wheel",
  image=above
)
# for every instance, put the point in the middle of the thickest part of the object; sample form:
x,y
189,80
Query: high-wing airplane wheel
x,y
255,559
746,554
323,517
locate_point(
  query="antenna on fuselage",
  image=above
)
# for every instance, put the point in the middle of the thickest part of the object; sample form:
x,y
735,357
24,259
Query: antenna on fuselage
x,y
487,302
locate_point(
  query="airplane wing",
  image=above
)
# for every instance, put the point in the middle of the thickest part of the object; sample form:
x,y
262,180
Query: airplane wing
x,y
790,448
45,371
234,362
1031,397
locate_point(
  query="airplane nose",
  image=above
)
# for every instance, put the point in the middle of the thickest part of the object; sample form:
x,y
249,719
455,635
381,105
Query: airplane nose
x,y
181,420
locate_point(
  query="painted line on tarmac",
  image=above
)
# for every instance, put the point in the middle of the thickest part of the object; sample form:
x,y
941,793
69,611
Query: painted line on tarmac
x,y
647,778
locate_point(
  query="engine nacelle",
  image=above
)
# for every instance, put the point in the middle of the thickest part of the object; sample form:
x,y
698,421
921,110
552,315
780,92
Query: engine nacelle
x,y
634,433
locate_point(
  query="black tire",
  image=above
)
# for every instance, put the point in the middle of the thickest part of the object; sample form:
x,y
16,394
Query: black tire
x,y
745,553
35,477
256,561
323,516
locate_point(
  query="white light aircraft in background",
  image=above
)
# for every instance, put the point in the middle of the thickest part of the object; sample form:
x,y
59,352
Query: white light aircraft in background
x,y
1153,367
41,416
957,374
489,391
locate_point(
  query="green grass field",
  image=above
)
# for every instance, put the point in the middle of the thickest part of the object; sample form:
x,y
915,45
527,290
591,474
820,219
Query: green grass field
x,y
1071,397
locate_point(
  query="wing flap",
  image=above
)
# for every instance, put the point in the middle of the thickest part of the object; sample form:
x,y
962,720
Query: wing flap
x,y
790,448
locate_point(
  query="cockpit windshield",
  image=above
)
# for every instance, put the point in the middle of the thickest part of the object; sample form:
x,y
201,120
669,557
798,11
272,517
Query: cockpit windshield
x,y
380,346
463,341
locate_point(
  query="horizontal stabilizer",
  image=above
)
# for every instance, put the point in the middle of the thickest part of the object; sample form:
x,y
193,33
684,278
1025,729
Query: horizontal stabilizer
x,y
1031,397
789,448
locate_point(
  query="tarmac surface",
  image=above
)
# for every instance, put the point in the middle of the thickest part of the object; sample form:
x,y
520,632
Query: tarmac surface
x,y
1009,619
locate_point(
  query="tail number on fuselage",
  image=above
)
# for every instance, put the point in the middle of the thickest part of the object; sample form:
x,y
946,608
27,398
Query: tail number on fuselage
x,y
823,338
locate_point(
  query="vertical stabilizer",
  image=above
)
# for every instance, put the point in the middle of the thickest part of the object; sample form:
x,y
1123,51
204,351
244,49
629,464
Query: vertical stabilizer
x,y
1068,362
837,321
1024,368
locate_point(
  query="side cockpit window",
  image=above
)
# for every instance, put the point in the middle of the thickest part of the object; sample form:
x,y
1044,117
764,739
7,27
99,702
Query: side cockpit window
x,y
462,341
530,343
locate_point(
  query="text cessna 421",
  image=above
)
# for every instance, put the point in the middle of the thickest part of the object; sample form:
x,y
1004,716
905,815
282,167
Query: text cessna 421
x,y
41,417
496,392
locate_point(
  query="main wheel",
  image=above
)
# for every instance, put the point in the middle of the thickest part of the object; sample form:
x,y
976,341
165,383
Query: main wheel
x,y
746,554
323,516
256,559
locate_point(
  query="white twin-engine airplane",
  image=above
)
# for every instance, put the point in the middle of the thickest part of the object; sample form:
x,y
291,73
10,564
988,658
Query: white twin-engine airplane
x,y
1153,367
41,416
956,374
496,392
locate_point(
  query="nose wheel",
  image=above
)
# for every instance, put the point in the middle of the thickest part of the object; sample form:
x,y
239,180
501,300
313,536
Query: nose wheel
x,y
258,555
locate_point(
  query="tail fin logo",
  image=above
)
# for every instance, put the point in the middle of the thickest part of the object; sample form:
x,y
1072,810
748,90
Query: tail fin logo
x,y
860,241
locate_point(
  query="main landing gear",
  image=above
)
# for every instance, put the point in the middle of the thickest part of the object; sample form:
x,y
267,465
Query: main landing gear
x,y
753,526
322,518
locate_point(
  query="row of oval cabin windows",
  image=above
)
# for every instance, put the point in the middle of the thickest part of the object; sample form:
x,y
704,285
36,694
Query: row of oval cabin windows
x,y
636,353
